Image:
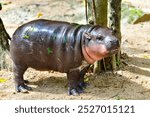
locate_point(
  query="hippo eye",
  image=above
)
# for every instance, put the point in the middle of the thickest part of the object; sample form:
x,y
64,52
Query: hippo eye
x,y
100,37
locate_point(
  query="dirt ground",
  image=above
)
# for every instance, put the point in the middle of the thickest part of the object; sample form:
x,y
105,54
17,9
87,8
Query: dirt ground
x,y
132,81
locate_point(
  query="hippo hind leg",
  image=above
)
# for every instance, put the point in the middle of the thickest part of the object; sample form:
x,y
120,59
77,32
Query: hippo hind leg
x,y
20,83
73,81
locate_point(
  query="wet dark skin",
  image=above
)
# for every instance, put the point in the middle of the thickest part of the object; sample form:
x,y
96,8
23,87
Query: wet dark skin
x,y
59,46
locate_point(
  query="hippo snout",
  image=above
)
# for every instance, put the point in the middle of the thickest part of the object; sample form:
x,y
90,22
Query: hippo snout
x,y
112,44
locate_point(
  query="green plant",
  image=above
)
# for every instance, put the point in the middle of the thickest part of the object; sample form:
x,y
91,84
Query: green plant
x,y
49,50
2,80
26,36
118,62
130,13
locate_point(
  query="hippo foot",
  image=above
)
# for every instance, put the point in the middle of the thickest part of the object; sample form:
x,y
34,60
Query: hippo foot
x,y
75,91
23,88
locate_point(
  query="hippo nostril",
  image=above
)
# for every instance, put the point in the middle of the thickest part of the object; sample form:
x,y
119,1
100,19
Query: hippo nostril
x,y
113,44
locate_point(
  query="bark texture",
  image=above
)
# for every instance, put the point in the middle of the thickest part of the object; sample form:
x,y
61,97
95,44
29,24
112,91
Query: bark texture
x,y
114,23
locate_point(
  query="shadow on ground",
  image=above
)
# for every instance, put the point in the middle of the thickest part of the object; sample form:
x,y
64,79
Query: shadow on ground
x,y
104,86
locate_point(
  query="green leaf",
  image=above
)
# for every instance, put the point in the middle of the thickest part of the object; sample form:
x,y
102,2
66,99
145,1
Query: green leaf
x,y
49,50
118,98
26,36
118,62
130,13
3,80
86,79
146,57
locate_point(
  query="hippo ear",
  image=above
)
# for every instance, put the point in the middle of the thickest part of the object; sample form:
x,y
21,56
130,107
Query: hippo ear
x,y
87,35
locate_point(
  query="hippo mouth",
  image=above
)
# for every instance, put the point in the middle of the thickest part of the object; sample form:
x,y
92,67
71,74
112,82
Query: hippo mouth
x,y
92,54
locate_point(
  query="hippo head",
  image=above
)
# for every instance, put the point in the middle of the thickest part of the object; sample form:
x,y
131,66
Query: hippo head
x,y
99,43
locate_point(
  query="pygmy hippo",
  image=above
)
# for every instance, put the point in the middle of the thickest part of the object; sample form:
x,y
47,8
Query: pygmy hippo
x,y
60,46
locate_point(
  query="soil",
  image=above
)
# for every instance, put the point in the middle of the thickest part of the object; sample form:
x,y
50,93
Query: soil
x,y
131,81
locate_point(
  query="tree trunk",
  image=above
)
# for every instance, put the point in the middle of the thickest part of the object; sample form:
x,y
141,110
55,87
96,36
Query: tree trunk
x,y
4,45
4,36
114,23
100,19
101,12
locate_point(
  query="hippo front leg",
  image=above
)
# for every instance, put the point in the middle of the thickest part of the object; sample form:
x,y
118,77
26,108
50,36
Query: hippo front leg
x,y
82,84
73,81
20,83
